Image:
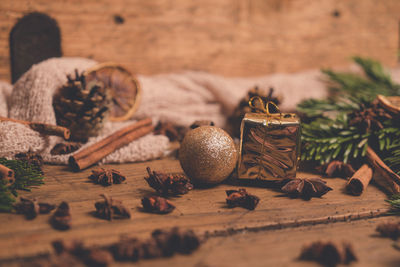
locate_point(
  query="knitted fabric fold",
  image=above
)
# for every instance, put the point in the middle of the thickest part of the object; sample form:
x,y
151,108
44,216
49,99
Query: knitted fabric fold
x,y
180,98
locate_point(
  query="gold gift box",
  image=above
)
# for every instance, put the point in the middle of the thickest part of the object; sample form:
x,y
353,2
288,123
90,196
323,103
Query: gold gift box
x,y
269,146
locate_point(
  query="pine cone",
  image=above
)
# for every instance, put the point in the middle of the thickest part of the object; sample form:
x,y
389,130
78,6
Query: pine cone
x,y
243,107
81,106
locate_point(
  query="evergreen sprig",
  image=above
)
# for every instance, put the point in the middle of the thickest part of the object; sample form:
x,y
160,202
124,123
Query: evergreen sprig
x,y
26,177
327,135
394,202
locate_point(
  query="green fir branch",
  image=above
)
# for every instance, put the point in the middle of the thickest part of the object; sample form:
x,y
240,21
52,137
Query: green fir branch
x,y
26,177
394,202
326,134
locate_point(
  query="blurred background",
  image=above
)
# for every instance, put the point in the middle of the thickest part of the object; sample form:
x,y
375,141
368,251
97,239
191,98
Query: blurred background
x,y
227,37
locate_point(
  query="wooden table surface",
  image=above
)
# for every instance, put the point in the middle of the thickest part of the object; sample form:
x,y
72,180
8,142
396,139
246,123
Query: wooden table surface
x,y
273,234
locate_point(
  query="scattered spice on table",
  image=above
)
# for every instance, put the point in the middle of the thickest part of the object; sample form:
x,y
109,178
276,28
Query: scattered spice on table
x,y
336,168
389,229
305,188
168,184
76,250
197,124
65,148
328,253
170,130
107,177
155,204
241,198
32,207
111,208
163,243
32,158
61,219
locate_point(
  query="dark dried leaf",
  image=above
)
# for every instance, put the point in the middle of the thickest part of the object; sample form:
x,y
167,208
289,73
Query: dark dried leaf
x,y
32,158
305,188
111,208
328,253
158,205
337,168
107,177
168,184
61,219
65,148
197,124
389,229
240,198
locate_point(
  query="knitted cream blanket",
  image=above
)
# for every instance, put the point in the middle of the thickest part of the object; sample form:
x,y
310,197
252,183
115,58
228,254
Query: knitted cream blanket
x,y
180,98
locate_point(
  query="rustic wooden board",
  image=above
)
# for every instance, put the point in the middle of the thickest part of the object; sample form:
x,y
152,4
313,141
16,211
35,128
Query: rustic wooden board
x,y
203,210
282,247
235,38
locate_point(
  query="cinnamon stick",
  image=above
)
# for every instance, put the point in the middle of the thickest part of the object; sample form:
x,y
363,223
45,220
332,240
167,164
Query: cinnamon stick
x,y
106,146
360,180
390,180
43,128
7,174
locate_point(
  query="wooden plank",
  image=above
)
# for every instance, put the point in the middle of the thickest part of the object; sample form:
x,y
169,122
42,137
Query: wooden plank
x,y
234,38
203,210
282,247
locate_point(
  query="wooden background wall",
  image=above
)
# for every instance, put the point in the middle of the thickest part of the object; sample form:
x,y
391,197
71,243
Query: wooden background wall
x,y
229,37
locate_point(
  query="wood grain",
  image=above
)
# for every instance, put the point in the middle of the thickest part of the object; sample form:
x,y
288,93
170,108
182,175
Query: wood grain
x,y
229,37
203,210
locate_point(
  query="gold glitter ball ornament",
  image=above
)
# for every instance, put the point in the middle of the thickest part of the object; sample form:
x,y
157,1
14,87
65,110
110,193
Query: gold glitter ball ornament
x,y
208,154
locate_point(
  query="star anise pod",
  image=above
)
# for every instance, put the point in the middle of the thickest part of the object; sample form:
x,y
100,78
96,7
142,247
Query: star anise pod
x,y
369,117
32,158
168,184
337,168
61,218
389,229
107,177
158,205
65,148
173,132
305,188
31,207
241,198
111,208
328,253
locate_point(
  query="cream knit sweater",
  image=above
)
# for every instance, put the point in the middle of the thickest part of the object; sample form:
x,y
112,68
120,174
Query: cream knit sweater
x,y
180,98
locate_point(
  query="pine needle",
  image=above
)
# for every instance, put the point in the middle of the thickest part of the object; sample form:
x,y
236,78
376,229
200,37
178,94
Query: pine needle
x,y
26,177
326,134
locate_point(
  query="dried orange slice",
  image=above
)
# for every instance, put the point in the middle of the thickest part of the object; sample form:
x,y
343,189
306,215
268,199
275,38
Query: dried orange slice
x,y
390,103
123,87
